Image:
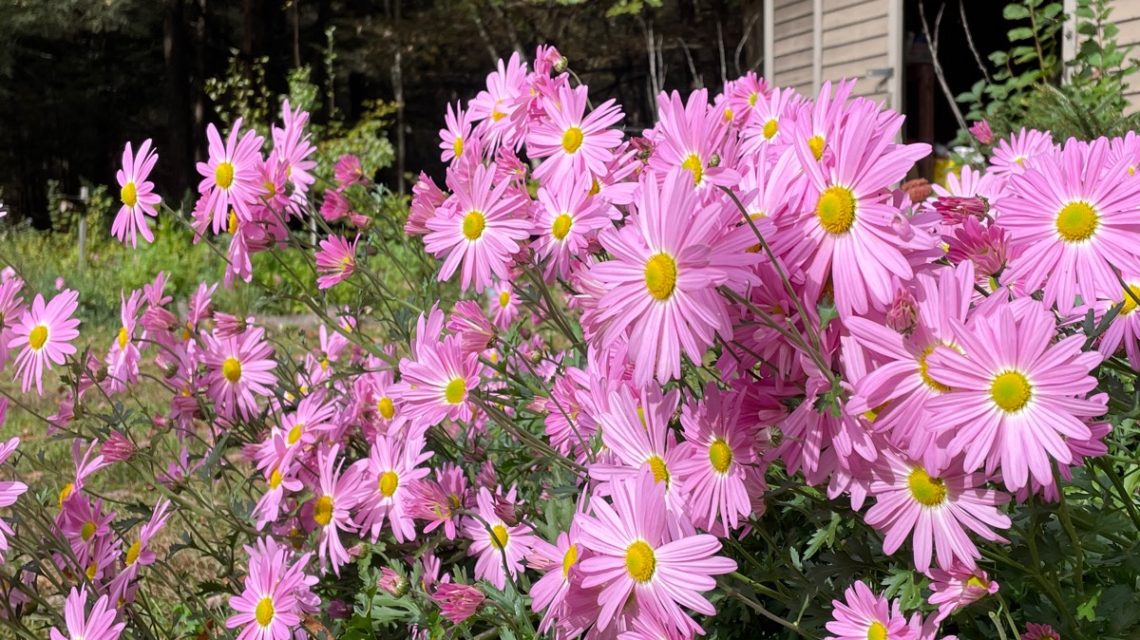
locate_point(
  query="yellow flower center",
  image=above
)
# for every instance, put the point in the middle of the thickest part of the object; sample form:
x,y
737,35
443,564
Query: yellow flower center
x,y
87,530
275,479
65,493
728,115
504,298
569,560
924,371
386,407
771,128
270,189
975,581
561,227
232,222
1129,302
388,483
497,115
473,225
133,552
816,143
595,187
455,391
323,510
928,491
224,174
660,471
91,570
877,631
1077,221
661,276
640,561
231,369
38,337
720,455
129,194
1011,391
572,139
124,337
264,611
694,166
457,146
295,434
499,536
836,210
752,98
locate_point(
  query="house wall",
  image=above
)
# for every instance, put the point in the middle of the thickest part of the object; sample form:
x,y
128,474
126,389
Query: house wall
x,y
1126,15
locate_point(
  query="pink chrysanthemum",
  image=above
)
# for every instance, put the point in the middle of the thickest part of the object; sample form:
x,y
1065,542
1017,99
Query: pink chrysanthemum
x,y
137,194
865,616
958,587
495,542
566,219
392,472
1022,150
123,356
241,368
336,260
230,178
1075,216
560,562
11,310
1015,397
45,333
337,494
504,303
668,262
268,607
937,509
495,105
574,143
457,602
292,151
478,228
435,385
10,490
690,136
1034,631
634,556
98,625
845,234
456,138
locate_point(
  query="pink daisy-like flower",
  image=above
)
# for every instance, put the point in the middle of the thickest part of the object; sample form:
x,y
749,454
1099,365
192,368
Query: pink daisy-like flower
x,y
392,472
292,149
845,233
719,450
123,356
958,587
982,132
10,490
434,386
496,104
438,501
230,178
1126,327
1034,631
457,602
938,509
1015,397
504,303
864,616
336,260
478,228
456,138
495,542
1074,216
11,310
45,333
337,494
137,194
98,625
633,555
560,562
349,171
267,609
668,261
567,218
688,136
239,367
1022,150
574,143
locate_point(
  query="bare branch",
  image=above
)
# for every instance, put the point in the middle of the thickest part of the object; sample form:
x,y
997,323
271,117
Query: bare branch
x,y
970,40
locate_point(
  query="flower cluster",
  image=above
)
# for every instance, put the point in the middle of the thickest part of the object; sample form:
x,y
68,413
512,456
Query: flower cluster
x,y
660,323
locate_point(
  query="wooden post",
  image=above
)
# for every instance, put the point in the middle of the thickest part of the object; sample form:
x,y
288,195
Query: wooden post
x,y
83,197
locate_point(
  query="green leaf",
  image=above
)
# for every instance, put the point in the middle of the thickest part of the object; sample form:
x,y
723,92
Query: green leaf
x,y
1014,12
1020,33
1087,610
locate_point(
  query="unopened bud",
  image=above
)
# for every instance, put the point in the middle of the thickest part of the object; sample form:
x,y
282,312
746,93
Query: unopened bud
x,y
562,64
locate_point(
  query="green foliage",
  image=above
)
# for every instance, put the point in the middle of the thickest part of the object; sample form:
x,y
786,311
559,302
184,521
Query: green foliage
x,y
242,92
1032,87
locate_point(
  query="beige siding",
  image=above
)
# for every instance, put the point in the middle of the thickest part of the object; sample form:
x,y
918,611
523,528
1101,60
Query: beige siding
x,y
1126,15
855,41
793,44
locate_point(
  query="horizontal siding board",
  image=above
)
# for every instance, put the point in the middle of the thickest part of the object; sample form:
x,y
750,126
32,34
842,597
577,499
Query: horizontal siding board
x,y
1125,10
854,13
855,51
793,10
797,60
873,29
792,44
858,69
794,27
836,5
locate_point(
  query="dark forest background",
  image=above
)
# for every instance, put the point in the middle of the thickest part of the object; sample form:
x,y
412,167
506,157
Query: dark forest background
x,y
79,78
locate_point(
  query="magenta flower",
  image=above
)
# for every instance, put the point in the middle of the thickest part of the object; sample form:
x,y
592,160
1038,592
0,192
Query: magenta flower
x,y
10,490
337,494
438,501
560,562
572,142
268,608
136,193
98,625
389,477
336,260
982,132
958,587
45,333
689,137
864,616
457,602
1034,631
123,356
1021,151
456,138
349,171
230,178
1074,216
240,369
635,557
479,228
1015,397
11,310
668,261
495,542
435,385
292,150
566,220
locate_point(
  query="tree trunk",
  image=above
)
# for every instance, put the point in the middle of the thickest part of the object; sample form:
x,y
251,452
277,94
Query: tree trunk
x,y
178,104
